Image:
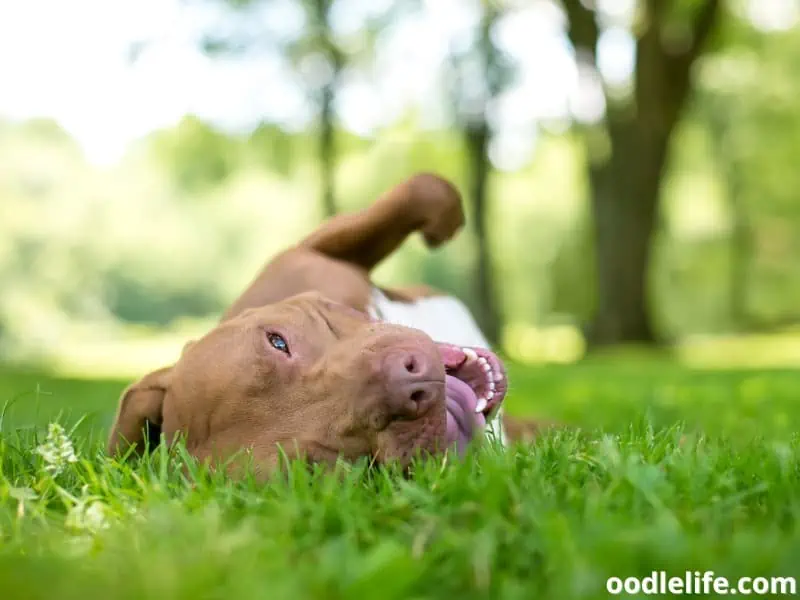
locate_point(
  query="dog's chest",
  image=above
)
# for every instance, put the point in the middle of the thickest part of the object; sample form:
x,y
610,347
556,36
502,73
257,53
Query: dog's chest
x,y
443,318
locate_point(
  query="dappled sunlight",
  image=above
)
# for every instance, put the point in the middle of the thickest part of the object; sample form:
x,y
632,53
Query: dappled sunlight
x,y
559,344
741,351
565,344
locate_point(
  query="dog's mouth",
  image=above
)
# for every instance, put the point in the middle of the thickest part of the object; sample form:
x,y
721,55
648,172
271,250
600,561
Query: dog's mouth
x,y
475,386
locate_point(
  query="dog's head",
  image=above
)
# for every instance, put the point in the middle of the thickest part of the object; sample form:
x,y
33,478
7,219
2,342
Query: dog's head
x,y
317,379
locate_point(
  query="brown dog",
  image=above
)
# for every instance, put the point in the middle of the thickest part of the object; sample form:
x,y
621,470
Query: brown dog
x,y
316,360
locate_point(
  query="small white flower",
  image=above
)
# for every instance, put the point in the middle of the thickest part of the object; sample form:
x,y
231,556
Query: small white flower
x,y
57,451
88,515
95,517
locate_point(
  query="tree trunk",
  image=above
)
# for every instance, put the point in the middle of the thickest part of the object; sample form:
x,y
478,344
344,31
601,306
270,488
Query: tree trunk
x,y
322,36
487,313
625,194
327,150
626,187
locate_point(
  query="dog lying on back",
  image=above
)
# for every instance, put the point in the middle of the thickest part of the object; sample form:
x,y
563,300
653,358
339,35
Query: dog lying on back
x,y
315,360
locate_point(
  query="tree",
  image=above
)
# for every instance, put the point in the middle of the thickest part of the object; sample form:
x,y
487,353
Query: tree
x,y
318,47
472,99
317,56
747,105
320,55
625,181
323,55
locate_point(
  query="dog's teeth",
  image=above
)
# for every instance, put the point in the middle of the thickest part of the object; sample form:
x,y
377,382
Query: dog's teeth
x,y
491,386
471,354
490,395
481,405
486,367
483,361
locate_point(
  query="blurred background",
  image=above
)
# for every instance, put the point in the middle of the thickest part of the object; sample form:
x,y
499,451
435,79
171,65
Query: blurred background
x,y
629,166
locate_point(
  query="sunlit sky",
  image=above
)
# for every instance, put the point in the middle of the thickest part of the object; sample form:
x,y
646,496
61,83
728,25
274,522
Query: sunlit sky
x,y
70,61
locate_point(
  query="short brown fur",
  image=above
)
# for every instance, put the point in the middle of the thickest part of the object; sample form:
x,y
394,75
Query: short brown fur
x,y
230,390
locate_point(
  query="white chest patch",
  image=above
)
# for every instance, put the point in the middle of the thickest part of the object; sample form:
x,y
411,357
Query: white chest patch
x,y
444,319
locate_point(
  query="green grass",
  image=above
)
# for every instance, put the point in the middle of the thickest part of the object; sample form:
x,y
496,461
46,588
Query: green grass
x,y
667,469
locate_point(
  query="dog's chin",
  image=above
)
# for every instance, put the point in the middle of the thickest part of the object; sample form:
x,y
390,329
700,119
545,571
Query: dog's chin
x,y
475,386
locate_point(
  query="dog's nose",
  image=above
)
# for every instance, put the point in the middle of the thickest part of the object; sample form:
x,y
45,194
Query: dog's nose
x,y
413,380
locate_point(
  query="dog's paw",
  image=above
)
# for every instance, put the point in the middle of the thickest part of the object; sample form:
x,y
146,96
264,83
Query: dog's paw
x,y
438,204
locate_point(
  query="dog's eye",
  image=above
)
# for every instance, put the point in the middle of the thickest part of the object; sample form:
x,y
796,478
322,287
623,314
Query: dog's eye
x,y
278,342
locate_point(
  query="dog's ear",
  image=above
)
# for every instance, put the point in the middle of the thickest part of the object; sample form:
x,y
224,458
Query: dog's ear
x,y
139,415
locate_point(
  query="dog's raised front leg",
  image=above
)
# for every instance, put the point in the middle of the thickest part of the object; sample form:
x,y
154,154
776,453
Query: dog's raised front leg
x,y
336,259
425,203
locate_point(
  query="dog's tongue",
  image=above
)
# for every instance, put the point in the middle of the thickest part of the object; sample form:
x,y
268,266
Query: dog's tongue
x,y
462,422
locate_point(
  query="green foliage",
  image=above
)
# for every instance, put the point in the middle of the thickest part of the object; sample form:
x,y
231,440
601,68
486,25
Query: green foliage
x,y
197,155
269,147
736,146
625,497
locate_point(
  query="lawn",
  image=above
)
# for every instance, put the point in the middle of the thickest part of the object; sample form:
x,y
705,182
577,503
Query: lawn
x,y
667,469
